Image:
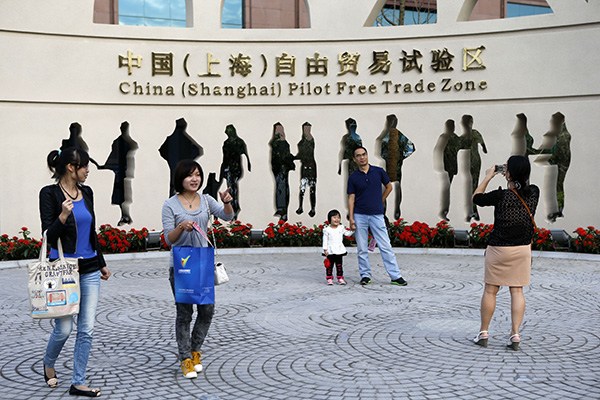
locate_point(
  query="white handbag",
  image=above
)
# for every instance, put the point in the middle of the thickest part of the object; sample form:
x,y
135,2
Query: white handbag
x,y
221,275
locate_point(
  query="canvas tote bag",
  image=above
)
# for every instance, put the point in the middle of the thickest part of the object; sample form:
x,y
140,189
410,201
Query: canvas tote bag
x,y
53,285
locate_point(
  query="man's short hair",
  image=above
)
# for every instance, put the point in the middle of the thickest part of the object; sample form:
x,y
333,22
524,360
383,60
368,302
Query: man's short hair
x,y
358,148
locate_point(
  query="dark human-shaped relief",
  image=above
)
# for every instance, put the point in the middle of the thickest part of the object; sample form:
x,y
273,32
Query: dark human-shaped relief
x,y
76,140
121,162
522,140
350,141
282,162
308,169
394,149
212,185
179,146
232,170
445,157
471,139
557,144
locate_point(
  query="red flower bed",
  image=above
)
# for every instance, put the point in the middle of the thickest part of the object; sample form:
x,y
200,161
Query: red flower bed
x,y
282,233
19,248
285,234
587,240
542,240
479,235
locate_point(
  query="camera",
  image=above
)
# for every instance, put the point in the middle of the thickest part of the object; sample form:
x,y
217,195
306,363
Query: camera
x,y
500,169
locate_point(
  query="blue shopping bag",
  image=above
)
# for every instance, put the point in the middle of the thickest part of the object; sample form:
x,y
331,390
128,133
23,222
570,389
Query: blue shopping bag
x,y
194,274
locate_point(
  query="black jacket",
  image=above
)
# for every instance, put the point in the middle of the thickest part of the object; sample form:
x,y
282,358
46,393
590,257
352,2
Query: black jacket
x,y
51,199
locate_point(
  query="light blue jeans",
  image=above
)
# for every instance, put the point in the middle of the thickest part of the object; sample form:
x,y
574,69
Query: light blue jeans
x,y
379,231
90,291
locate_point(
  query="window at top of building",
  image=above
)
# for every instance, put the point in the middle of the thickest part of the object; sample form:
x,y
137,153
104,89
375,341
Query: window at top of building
x,y
514,9
232,15
153,13
407,12
265,14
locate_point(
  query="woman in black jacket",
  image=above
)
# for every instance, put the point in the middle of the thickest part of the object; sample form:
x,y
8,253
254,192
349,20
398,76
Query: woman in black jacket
x,y
67,213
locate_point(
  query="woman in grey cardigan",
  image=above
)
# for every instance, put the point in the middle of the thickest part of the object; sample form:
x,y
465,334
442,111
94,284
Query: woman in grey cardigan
x,y
179,214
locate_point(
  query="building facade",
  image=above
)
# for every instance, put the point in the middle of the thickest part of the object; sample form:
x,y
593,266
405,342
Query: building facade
x,y
65,66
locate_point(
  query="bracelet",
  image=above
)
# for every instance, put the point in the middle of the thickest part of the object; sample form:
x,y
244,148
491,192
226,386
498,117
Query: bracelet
x,y
227,202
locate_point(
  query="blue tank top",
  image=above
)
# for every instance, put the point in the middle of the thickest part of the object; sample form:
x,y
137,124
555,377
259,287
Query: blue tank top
x,y
83,221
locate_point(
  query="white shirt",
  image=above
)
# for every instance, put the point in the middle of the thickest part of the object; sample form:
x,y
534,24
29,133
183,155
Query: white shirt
x,y
333,239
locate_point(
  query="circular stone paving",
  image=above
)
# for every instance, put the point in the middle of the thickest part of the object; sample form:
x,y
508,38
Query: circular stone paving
x,y
280,333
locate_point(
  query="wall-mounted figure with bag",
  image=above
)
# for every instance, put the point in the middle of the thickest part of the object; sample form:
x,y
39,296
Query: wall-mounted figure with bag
x,y
185,217
68,221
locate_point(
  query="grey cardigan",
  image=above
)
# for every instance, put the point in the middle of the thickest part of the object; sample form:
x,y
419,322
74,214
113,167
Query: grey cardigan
x,y
173,213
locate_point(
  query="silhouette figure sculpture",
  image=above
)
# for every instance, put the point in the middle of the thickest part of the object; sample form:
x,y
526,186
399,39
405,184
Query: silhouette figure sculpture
x,y
282,162
558,146
522,140
120,161
350,141
308,169
179,146
231,166
212,186
471,139
446,163
76,140
394,149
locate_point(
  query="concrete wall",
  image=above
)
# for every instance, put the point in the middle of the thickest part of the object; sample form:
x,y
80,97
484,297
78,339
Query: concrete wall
x,y
60,67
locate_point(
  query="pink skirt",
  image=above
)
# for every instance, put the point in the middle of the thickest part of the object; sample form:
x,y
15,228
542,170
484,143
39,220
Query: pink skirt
x,y
508,265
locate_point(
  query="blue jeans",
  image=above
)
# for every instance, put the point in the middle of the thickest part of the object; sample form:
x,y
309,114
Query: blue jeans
x,y
379,231
90,291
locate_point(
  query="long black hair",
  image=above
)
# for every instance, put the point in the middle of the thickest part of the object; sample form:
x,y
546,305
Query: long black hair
x,y
519,169
59,159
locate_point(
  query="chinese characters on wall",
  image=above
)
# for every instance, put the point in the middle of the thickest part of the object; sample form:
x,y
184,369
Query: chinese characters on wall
x,y
319,74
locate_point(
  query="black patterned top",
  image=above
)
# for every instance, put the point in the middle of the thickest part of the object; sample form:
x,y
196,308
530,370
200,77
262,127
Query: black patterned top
x,y
512,223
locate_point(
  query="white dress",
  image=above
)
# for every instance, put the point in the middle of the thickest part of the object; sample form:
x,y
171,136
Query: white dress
x,y
333,239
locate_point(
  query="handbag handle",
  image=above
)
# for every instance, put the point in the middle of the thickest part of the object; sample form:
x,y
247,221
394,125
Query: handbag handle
x,y
205,236
526,207
43,249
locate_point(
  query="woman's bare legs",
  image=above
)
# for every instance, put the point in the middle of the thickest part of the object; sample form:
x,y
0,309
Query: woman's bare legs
x,y
488,305
517,308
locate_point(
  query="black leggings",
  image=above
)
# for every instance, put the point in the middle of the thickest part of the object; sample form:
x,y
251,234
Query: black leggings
x,y
335,259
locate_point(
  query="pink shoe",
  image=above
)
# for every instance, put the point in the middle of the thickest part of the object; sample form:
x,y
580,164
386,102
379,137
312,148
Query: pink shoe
x,y
341,280
329,281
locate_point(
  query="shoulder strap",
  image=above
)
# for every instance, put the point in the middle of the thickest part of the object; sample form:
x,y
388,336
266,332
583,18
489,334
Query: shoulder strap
x,y
526,207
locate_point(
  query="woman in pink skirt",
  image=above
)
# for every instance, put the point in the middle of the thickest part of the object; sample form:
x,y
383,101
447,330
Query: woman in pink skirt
x,y
508,254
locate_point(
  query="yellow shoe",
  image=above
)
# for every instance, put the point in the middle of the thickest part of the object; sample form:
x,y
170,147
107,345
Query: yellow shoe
x,y
197,360
187,367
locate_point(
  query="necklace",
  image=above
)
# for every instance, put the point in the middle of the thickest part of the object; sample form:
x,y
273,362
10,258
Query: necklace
x,y
68,194
190,203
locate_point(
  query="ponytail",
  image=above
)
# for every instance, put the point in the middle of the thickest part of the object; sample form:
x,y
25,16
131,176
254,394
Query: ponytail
x,y
58,160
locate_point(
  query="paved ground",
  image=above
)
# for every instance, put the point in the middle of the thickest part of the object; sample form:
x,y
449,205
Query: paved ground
x,y
281,333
